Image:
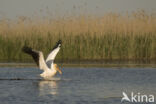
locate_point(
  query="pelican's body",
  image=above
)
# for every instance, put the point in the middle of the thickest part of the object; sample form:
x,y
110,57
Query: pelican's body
x,y
48,67
48,74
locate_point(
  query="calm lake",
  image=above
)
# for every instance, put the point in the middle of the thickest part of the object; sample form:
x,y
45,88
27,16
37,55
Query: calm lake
x,y
75,85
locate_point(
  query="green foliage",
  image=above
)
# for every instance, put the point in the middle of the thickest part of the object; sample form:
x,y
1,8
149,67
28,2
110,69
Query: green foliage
x,y
81,47
113,36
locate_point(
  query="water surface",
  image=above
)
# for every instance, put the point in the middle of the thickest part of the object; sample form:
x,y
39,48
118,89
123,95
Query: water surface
x,y
75,86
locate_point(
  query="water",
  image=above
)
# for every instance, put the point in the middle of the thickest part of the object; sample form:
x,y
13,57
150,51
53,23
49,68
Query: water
x,y
75,86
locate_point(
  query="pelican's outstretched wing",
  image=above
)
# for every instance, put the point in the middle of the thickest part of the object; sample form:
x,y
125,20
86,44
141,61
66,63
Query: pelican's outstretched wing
x,y
52,55
37,56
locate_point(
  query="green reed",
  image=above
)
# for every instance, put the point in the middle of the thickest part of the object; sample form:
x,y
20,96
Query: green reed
x,y
82,47
111,37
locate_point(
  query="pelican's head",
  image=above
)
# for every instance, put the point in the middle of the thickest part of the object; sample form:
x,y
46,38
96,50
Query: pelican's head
x,y
57,68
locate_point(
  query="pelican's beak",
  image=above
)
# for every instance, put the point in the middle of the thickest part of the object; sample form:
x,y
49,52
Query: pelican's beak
x,y
59,70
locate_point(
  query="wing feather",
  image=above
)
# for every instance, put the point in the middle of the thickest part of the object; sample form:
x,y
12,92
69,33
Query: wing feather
x,y
33,53
53,53
37,56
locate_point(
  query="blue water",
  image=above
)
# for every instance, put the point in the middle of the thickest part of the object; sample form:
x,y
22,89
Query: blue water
x,y
75,86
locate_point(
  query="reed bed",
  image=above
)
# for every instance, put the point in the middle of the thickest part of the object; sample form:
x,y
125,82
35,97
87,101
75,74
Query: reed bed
x,y
113,36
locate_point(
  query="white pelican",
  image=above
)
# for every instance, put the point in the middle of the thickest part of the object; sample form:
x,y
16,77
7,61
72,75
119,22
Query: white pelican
x,y
48,66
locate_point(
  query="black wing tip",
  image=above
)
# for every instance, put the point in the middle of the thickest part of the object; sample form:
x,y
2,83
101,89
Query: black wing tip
x,y
30,51
59,41
58,44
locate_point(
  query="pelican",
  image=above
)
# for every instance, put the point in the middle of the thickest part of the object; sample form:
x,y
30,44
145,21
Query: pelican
x,y
48,66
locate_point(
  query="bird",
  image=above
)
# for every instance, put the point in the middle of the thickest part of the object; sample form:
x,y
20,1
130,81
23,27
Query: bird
x,y
125,97
48,66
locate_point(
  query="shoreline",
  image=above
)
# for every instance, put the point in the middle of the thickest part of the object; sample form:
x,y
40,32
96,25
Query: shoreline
x,y
151,65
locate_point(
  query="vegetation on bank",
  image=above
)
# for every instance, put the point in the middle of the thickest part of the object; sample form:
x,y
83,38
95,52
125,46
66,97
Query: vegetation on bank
x,y
109,37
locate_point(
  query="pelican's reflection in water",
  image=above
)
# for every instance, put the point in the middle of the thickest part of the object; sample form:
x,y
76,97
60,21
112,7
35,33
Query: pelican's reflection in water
x,y
48,87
